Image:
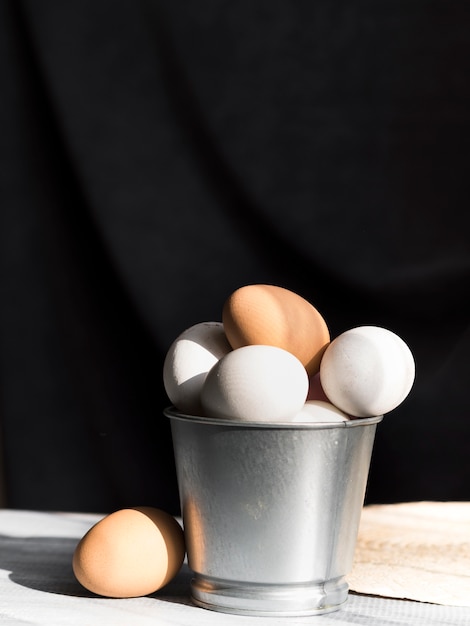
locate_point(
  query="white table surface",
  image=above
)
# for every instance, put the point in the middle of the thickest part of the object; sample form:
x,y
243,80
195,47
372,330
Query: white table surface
x,y
37,586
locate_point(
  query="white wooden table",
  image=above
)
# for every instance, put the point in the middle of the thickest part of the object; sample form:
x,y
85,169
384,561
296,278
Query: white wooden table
x,y
37,587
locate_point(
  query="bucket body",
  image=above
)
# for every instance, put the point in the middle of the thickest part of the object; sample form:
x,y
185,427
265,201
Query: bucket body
x,y
271,511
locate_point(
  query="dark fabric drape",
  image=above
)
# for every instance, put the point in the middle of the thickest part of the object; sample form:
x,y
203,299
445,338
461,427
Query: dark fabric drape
x,y
155,156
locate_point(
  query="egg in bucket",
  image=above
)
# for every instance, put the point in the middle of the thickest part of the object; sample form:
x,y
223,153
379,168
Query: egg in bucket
x,y
271,476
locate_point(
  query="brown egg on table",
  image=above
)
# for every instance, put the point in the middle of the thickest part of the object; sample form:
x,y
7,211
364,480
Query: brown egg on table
x,y
275,316
129,553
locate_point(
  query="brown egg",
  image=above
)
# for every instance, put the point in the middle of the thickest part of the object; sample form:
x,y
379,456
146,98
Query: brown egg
x,y
274,316
130,553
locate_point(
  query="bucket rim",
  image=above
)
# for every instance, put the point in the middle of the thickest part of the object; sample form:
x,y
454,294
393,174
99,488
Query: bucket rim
x,y
174,414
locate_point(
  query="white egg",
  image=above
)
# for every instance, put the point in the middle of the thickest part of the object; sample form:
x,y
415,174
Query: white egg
x,y
320,411
367,371
255,383
193,353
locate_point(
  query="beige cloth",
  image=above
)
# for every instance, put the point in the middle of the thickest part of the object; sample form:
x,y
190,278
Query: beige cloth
x,y
415,551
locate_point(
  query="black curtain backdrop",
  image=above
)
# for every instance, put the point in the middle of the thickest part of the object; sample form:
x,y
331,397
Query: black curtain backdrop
x,y
155,156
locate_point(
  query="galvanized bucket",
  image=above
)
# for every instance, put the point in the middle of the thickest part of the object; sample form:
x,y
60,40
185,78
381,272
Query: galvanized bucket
x,y
271,511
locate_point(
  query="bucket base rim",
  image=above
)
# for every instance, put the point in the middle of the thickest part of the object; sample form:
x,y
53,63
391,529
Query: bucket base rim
x,y
269,600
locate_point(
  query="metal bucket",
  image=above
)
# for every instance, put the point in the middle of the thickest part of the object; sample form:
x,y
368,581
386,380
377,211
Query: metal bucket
x,y
271,511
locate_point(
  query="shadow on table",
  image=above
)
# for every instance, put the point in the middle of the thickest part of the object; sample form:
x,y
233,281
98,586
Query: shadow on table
x,y
45,564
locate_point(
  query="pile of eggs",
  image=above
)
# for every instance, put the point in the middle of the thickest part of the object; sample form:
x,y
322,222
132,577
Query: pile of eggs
x,y
271,359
